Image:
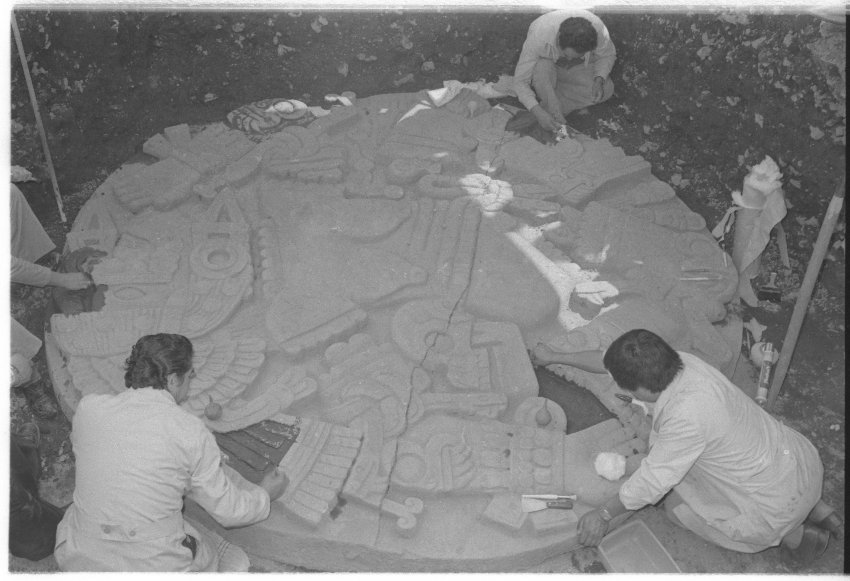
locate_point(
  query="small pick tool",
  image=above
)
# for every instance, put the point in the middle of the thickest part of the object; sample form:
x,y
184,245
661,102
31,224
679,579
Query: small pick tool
x,y
535,502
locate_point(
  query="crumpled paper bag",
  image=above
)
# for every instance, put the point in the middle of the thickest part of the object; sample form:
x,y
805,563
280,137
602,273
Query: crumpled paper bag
x,y
758,208
452,88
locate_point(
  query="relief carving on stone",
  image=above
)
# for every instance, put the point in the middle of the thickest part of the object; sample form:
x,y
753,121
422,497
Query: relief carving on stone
x,y
371,280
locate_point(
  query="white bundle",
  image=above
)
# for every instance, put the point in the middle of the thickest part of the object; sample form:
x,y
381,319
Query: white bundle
x,y
610,465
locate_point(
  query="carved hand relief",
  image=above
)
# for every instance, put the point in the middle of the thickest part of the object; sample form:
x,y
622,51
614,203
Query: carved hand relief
x,y
359,289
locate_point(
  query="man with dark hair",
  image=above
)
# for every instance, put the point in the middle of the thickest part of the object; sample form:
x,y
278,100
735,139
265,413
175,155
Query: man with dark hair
x,y
139,454
730,472
641,358
564,65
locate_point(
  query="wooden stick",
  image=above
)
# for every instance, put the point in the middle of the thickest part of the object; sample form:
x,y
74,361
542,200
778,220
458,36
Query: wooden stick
x,y
809,280
38,122
782,242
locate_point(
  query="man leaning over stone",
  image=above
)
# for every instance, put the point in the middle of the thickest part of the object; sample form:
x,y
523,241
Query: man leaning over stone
x,y
564,66
722,466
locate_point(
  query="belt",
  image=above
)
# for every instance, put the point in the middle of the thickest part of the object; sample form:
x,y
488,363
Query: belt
x,y
131,533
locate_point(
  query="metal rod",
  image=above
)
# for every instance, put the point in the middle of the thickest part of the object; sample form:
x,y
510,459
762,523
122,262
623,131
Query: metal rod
x,y
38,122
809,280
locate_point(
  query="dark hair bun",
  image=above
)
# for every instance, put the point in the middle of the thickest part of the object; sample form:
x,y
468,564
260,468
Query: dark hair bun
x,y
155,357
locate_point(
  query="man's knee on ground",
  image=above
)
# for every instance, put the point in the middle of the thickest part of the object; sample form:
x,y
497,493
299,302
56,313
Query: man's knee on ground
x,y
673,501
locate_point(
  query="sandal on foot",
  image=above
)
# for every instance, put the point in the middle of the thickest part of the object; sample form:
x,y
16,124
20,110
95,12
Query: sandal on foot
x,y
30,433
40,401
831,522
812,546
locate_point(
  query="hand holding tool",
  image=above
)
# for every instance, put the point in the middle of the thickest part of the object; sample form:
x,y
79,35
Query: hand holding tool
x,y
562,133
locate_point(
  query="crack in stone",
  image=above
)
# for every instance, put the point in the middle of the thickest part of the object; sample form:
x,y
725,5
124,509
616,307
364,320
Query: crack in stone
x,y
421,364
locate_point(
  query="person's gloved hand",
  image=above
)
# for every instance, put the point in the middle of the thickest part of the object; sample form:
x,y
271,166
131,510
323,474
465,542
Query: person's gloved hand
x,y
70,280
598,89
546,120
275,483
591,529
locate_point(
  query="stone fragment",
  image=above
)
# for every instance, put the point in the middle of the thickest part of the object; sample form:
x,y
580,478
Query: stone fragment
x,y
428,134
500,274
158,146
554,521
94,226
505,510
162,185
576,170
178,135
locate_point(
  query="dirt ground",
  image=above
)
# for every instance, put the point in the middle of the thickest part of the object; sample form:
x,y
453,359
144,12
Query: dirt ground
x,y
701,96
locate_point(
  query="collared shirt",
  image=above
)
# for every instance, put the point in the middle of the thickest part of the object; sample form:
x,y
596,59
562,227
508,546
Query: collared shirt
x,y
736,466
137,454
542,43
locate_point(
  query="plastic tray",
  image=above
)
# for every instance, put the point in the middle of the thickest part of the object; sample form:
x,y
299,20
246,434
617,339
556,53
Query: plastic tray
x,y
633,548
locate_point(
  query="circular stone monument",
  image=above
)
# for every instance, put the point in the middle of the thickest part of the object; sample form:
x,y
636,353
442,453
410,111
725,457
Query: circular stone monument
x,y
362,288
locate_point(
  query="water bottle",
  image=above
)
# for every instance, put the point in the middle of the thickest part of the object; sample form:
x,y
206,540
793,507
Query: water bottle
x,y
768,356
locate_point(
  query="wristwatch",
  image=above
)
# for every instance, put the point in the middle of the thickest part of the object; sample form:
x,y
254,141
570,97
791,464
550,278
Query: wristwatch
x,y
604,514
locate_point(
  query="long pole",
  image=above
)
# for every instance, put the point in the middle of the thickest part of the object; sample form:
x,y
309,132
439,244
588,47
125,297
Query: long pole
x,y
809,280
38,122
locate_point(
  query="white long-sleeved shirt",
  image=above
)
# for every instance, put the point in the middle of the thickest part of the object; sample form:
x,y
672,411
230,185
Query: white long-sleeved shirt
x,y
542,43
137,454
25,272
28,242
741,470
